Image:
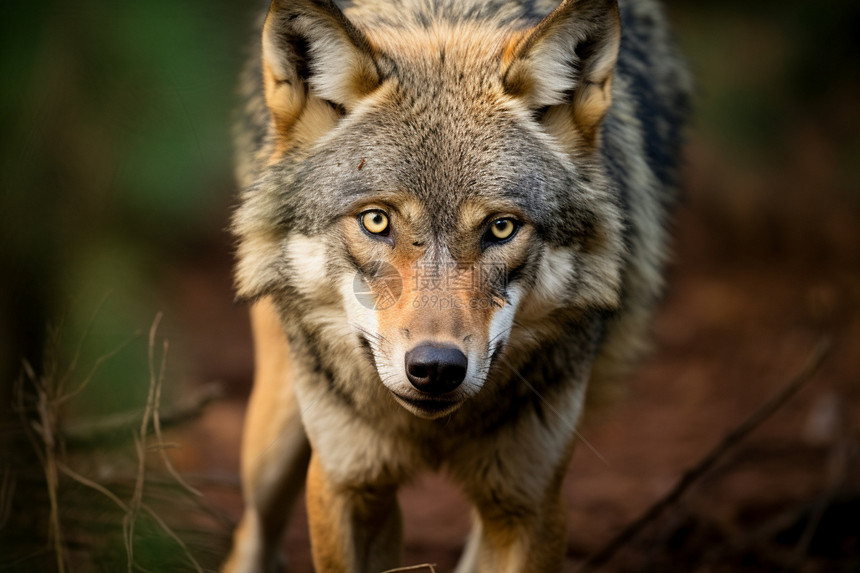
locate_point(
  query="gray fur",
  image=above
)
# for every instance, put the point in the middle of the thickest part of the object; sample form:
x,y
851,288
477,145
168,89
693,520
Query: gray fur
x,y
443,135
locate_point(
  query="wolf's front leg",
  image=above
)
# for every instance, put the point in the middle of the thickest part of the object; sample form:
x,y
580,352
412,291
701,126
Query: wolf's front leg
x,y
354,529
275,451
516,541
514,483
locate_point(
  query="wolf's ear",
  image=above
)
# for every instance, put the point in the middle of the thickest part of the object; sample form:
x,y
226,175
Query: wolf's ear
x,y
567,59
311,48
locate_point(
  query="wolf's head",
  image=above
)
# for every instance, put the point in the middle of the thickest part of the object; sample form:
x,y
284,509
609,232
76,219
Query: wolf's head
x,y
430,198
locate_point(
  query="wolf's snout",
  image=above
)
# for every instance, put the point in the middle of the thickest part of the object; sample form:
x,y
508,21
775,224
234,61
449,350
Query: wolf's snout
x,y
435,369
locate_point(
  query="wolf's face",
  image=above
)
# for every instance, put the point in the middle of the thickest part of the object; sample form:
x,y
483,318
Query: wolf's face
x,y
437,305
432,201
441,240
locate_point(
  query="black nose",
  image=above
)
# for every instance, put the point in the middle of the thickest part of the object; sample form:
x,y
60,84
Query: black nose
x,y
434,368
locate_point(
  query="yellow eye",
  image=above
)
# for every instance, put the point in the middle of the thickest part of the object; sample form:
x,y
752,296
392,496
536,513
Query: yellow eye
x,y
502,229
375,222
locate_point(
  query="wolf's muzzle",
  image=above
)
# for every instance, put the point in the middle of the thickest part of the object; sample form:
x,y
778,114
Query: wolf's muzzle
x,y
436,369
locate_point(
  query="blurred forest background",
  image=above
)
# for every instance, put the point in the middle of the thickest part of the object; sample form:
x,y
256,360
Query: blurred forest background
x,y
115,190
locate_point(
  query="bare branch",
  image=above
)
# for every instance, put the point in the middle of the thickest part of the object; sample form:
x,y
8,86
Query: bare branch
x,y
728,442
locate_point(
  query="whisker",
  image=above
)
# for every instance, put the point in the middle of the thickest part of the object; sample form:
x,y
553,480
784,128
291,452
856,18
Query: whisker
x,y
556,412
527,332
368,334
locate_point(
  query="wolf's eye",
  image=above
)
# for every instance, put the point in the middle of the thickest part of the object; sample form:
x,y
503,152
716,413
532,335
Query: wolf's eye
x,y
375,222
501,230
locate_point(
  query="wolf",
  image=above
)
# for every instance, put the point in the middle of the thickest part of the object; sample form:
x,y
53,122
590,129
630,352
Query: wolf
x,y
453,219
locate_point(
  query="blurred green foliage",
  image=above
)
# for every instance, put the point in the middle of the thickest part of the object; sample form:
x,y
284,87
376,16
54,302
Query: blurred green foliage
x,y
115,153
764,68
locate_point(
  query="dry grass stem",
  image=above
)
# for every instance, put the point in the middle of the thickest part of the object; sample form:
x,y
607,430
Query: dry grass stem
x,y
156,424
173,536
430,566
92,485
40,404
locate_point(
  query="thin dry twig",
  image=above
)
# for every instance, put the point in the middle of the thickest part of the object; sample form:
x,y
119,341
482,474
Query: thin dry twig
x,y
130,518
430,566
41,433
92,485
156,424
73,365
173,536
728,442
89,433
47,438
151,413
91,374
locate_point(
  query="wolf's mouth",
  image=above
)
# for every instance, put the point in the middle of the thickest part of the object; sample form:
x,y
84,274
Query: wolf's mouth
x,y
428,408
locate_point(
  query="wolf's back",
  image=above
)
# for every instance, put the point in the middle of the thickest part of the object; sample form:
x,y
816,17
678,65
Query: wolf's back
x,y
643,137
